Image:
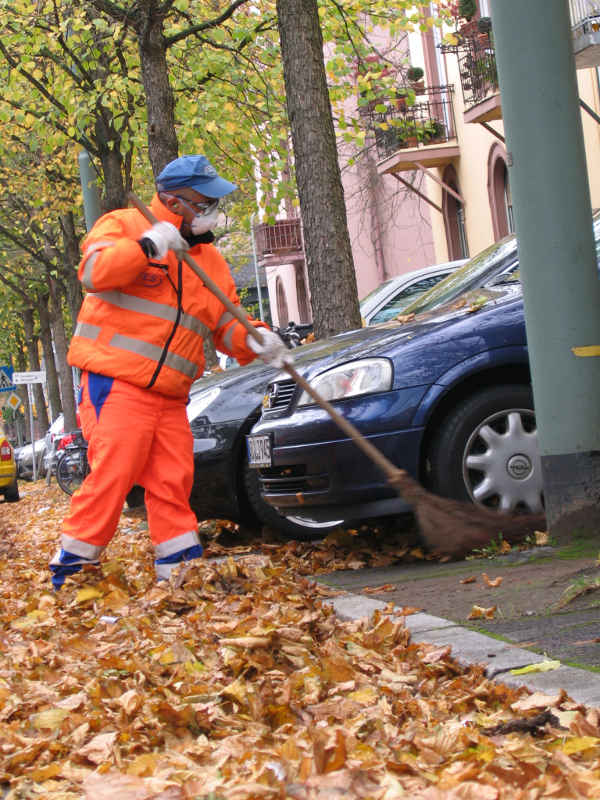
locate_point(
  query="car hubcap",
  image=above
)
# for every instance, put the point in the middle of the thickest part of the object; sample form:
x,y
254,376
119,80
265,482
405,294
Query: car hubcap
x,y
501,464
306,522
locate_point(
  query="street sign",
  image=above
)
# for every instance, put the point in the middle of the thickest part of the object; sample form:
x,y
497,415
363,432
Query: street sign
x,y
6,380
14,401
29,377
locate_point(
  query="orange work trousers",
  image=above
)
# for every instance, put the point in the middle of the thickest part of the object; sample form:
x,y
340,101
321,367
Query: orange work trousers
x,y
135,437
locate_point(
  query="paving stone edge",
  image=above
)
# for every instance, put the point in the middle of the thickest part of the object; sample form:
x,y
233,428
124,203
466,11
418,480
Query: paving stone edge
x,y
470,647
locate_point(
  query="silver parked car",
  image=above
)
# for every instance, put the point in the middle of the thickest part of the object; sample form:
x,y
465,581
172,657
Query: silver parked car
x,y
24,459
391,297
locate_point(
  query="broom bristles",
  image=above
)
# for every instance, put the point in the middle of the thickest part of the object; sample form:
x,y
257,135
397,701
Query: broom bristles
x,y
452,528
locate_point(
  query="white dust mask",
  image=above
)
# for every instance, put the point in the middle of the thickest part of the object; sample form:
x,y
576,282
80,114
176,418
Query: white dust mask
x,y
202,223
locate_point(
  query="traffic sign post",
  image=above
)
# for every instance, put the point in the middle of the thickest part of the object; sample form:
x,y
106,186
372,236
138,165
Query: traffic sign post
x,y
6,379
29,378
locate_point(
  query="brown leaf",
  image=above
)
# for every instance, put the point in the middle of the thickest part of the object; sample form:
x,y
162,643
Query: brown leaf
x,y
386,587
539,700
541,537
491,582
469,579
479,612
100,748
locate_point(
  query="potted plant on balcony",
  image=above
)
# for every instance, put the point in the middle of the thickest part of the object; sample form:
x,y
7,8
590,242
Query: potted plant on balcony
x,y
415,77
433,131
467,9
400,98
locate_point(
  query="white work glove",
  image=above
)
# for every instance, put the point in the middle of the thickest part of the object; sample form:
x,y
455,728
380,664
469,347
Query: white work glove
x,y
164,237
272,350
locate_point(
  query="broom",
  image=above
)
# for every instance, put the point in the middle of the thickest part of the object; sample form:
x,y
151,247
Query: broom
x,y
448,527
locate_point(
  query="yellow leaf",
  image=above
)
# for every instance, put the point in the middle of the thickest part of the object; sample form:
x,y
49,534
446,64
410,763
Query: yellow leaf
x,y
579,743
87,593
211,126
236,691
30,620
364,696
543,666
167,657
51,719
143,766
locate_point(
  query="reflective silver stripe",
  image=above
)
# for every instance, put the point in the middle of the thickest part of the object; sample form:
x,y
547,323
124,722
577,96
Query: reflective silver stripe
x,y
87,331
78,548
171,546
86,278
153,352
141,305
91,256
226,317
163,571
228,338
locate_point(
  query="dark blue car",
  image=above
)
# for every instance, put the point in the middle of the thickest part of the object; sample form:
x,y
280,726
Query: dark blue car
x,y
445,395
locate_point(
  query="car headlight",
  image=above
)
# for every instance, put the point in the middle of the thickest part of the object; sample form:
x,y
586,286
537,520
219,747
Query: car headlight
x,y
349,380
200,401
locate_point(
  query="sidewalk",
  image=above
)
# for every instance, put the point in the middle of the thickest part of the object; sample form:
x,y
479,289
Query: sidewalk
x,y
532,621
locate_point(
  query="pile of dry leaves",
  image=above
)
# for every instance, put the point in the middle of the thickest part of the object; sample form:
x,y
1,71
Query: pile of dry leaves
x,y
236,681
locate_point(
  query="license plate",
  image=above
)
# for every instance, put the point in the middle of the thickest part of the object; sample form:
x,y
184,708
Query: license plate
x,y
259,450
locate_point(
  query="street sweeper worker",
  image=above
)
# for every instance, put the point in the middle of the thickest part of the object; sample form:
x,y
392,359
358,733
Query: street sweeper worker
x,y
138,342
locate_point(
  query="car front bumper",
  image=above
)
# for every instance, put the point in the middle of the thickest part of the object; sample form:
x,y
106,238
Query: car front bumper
x,y
318,475
8,474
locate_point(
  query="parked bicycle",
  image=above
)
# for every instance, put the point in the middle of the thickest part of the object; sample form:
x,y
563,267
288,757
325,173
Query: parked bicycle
x,y
72,463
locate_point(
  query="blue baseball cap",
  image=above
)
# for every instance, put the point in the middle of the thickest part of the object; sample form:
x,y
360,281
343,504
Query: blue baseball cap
x,y
197,173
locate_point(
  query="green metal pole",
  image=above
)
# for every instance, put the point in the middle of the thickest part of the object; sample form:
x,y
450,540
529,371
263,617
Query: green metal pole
x,y
89,187
561,285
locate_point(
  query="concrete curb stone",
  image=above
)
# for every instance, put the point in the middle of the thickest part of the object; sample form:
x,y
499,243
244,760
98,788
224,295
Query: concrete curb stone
x,y
470,647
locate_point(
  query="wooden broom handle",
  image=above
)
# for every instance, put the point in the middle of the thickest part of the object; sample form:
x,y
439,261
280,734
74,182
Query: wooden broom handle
x,y
389,469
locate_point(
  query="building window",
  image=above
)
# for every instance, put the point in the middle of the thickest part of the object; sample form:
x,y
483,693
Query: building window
x,y
503,221
454,218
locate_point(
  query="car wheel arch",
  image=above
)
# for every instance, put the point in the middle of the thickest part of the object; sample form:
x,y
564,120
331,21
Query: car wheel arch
x,y
238,457
450,397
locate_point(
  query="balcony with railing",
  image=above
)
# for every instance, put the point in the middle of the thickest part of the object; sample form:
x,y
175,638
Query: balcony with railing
x,y
585,24
479,77
280,242
421,135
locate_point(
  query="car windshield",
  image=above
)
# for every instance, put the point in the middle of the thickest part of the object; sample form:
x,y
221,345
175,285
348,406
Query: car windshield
x,y
498,264
376,291
496,259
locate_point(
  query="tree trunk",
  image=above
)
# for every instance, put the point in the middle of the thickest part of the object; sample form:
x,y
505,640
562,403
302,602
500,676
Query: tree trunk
x,y
74,295
329,260
48,350
31,343
160,105
67,390
112,167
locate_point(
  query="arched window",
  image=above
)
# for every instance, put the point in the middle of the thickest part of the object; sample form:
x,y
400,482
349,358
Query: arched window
x,y
282,306
454,218
499,193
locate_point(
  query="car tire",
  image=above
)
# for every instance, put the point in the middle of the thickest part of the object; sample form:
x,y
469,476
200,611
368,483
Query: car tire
x,y
486,451
289,527
11,493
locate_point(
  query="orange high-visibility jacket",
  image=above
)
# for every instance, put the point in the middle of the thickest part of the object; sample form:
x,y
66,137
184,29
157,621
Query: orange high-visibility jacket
x,y
140,319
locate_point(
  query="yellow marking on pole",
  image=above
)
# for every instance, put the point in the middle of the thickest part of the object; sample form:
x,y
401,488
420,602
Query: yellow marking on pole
x,y
587,352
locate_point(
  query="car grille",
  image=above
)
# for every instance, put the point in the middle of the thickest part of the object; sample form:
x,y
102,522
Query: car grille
x,y
291,480
278,397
